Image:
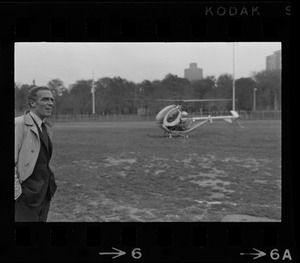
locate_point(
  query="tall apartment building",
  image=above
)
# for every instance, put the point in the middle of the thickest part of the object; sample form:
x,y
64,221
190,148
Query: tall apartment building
x,y
193,72
273,62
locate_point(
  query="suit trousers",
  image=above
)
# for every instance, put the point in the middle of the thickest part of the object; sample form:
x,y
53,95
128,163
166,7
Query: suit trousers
x,y
26,213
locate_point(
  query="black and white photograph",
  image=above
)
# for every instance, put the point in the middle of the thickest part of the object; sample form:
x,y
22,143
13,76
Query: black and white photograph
x,y
148,132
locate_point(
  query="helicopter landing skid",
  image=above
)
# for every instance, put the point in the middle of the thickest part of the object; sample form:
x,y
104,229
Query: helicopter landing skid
x,y
172,134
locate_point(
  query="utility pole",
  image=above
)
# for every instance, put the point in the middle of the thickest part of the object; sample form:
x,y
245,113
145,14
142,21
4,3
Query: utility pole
x,y
254,99
93,94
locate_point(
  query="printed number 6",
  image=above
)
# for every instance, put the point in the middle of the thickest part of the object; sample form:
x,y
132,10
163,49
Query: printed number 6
x,y
274,254
136,253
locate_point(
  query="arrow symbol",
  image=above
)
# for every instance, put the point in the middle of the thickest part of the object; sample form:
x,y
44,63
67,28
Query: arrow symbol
x,y
118,253
258,253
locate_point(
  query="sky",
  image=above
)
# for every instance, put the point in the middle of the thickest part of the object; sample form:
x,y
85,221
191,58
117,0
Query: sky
x,y
69,62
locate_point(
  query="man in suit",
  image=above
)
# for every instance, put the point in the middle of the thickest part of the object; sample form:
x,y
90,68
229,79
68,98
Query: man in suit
x,y
34,180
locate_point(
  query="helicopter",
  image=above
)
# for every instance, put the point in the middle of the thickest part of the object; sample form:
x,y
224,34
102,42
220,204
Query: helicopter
x,y
176,122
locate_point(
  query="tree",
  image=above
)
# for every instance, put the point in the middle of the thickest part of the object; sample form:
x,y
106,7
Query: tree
x,y
118,91
65,103
102,89
173,87
112,95
198,90
120,96
244,93
57,88
21,97
145,95
203,86
81,97
224,86
268,89
221,90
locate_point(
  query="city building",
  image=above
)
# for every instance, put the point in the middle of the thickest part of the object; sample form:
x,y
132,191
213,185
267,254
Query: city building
x,y
273,62
193,72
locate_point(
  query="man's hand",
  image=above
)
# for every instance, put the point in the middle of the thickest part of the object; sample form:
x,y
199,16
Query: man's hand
x,y
18,188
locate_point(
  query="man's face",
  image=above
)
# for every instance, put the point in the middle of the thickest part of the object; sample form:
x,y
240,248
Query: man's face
x,y
43,104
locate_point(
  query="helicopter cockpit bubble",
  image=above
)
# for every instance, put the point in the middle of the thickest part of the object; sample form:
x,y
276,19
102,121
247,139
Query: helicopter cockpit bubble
x,y
160,116
172,117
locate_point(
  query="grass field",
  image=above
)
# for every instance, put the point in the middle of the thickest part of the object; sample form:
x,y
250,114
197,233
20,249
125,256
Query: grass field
x,y
127,171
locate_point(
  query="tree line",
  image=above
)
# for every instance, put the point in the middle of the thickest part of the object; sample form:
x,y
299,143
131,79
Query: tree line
x,y
120,96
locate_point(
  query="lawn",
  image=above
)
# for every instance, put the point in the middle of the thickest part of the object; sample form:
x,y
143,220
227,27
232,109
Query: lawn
x,y
127,171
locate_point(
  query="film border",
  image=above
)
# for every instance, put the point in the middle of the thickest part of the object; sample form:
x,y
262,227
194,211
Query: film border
x,y
155,22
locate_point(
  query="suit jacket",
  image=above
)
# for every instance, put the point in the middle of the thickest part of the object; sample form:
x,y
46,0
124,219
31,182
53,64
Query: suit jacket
x,y
27,146
41,183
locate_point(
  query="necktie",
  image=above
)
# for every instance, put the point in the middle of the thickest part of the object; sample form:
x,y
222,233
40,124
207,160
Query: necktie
x,y
45,134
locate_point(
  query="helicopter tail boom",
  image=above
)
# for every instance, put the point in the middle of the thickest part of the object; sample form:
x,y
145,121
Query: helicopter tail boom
x,y
227,118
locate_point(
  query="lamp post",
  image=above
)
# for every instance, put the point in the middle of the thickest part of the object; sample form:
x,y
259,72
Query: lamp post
x,y
93,94
254,99
233,78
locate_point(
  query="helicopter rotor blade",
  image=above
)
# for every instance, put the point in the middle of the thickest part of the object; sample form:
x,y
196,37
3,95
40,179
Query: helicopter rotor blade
x,y
204,100
195,100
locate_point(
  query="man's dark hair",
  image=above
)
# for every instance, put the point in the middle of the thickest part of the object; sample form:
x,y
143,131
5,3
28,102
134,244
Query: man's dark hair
x,y
32,94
